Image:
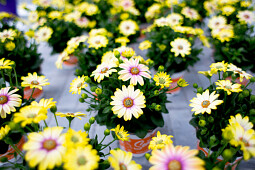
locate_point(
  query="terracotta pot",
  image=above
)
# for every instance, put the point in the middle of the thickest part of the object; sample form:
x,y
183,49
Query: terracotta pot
x,y
175,77
71,62
220,158
137,145
36,95
10,152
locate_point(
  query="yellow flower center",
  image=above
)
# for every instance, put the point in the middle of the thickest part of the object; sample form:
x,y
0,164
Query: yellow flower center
x,y
34,82
174,165
180,47
70,114
128,102
161,80
31,115
246,16
74,139
217,23
104,70
49,144
3,99
159,141
122,166
228,87
97,41
81,160
205,103
127,27
79,85
120,135
134,70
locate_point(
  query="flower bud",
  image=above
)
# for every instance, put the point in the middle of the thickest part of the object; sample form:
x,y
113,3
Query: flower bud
x,y
147,156
252,79
92,120
246,93
156,92
87,79
81,100
151,62
252,98
153,105
233,76
227,154
158,107
78,71
202,123
202,118
182,83
116,53
210,119
98,91
84,96
216,168
87,127
4,159
53,109
93,88
13,125
212,139
240,97
161,68
195,85
203,132
107,132
200,90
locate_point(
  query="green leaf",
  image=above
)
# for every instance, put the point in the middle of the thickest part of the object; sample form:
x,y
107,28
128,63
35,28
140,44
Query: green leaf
x,y
107,109
157,119
141,133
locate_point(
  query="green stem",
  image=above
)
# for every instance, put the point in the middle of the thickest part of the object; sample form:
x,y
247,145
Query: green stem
x,y
10,78
45,123
221,150
31,94
2,73
102,140
89,92
17,150
69,123
28,128
225,99
56,118
16,78
247,85
219,75
108,144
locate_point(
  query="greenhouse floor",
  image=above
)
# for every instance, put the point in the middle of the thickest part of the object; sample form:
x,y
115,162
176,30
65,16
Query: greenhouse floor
x,y
176,122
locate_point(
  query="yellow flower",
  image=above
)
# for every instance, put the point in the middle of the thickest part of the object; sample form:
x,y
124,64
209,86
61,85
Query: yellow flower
x,y
7,34
97,41
34,81
122,160
228,10
228,86
237,70
244,122
77,84
205,102
30,33
245,3
128,27
46,103
124,16
217,22
103,70
74,139
99,31
92,9
209,73
182,83
128,53
71,115
162,79
160,141
219,66
6,64
33,16
61,58
55,15
190,13
45,148
145,45
43,34
81,158
180,46
128,102
205,41
30,114
109,57
161,47
4,131
9,46
175,19
122,40
121,133
246,16
225,35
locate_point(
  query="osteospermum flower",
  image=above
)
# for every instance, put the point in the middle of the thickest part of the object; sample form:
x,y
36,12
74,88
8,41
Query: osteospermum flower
x,y
134,71
6,64
178,157
74,139
219,66
180,46
237,70
205,102
225,35
128,27
97,41
78,84
244,122
43,34
175,19
109,58
121,133
81,158
246,16
8,101
145,45
228,10
103,70
162,79
122,40
160,141
45,148
217,22
34,81
122,160
228,86
4,131
128,102
46,103
61,58
30,114
190,13
71,115
7,34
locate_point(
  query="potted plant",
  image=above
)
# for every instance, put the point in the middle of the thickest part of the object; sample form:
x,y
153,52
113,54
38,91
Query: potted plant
x,y
223,117
126,94
172,45
232,34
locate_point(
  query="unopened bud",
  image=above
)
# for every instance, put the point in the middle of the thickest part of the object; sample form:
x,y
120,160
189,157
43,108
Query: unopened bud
x,y
98,91
147,156
202,123
200,90
53,109
156,92
195,85
107,132
87,127
84,96
158,107
92,120
161,68
93,88
227,154
81,100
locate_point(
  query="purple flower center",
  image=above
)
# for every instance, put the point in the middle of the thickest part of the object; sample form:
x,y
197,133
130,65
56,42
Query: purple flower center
x,y
49,144
134,70
128,102
3,99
